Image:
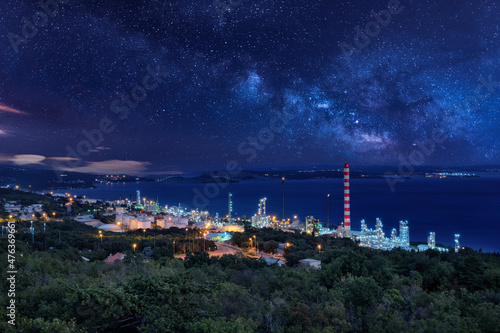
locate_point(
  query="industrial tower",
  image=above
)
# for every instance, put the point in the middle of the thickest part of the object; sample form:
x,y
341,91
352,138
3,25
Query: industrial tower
x,y
262,206
431,240
283,196
347,206
230,206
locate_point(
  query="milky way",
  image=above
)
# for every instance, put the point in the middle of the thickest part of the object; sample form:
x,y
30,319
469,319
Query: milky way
x,y
230,67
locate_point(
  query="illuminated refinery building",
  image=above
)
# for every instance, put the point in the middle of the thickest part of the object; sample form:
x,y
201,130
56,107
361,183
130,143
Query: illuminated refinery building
x,y
138,203
229,206
431,240
431,244
457,242
261,220
375,238
313,226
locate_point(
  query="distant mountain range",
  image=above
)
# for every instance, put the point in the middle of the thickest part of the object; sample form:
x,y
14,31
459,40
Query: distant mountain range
x,y
38,178
42,179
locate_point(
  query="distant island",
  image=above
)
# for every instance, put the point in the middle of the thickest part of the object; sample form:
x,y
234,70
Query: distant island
x,y
47,179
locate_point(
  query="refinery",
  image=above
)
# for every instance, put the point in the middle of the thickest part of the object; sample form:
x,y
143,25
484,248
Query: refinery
x,y
145,214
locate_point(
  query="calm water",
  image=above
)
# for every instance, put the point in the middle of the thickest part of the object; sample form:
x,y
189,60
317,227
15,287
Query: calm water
x,y
468,206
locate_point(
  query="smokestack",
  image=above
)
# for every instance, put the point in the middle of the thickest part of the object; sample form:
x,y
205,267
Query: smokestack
x,y
283,196
328,211
347,206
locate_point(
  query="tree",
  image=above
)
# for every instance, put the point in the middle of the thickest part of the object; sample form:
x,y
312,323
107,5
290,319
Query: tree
x,y
147,253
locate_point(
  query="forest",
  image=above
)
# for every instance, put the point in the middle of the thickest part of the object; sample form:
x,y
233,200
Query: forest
x,y
356,290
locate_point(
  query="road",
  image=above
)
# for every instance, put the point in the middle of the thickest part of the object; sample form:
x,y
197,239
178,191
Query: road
x,y
222,249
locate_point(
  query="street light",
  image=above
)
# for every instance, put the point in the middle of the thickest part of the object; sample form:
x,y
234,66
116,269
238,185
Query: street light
x,y
319,248
134,246
205,241
255,243
251,243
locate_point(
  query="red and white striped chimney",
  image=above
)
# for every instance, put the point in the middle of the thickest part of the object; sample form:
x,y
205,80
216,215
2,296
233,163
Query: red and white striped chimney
x,y
347,206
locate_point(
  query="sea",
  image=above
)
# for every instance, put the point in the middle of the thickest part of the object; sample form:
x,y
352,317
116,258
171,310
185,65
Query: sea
x,y
469,206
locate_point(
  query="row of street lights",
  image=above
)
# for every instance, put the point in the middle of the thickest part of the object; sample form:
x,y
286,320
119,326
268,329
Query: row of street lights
x,y
44,215
204,234
253,242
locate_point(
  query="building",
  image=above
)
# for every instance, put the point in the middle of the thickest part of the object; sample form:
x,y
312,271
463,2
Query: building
x,y
404,234
457,242
232,228
313,225
431,240
271,261
375,238
88,201
423,247
310,263
172,221
124,219
431,244
120,210
340,230
139,224
86,218
111,228
110,260
261,220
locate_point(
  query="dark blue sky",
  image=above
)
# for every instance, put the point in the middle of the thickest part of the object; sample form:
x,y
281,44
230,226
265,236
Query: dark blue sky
x,y
186,85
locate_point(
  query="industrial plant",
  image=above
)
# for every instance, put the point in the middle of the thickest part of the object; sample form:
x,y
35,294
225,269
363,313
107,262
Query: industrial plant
x,y
141,213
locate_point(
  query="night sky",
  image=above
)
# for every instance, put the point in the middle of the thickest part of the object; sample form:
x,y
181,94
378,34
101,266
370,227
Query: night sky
x,y
213,81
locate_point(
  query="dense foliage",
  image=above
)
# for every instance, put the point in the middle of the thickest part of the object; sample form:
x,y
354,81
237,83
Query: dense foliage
x,y
356,290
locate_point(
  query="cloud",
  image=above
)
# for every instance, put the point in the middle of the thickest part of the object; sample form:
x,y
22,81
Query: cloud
x,y
62,159
99,149
113,166
101,167
6,108
22,159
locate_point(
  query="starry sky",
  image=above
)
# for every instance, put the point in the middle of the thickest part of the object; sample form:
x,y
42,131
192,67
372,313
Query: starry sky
x,y
153,86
